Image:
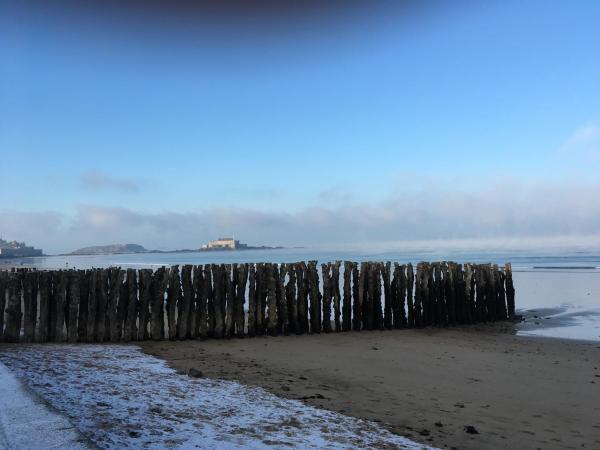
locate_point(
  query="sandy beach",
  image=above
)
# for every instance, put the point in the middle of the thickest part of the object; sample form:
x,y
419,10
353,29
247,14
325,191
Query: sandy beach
x,y
476,387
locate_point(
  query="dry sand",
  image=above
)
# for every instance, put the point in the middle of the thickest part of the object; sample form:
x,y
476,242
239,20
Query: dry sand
x,y
430,385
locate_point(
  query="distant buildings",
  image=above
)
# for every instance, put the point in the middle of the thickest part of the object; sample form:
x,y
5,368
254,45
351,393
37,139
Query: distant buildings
x,y
14,249
224,244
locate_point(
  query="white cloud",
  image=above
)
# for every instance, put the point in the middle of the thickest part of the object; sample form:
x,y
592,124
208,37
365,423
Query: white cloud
x,y
97,179
509,210
584,143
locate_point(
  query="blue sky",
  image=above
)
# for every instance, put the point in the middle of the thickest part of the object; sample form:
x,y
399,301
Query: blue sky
x,y
480,120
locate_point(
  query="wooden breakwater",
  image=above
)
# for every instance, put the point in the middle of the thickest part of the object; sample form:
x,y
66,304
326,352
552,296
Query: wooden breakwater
x,y
247,300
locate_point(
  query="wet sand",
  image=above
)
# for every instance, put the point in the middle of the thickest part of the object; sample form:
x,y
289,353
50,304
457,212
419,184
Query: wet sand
x,y
467,388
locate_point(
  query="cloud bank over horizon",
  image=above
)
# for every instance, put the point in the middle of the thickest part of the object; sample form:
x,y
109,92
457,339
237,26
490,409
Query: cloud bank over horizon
x,y
514,212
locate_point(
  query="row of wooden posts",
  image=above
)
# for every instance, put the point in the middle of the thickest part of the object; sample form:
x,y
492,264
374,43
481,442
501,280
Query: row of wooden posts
x,y
237,300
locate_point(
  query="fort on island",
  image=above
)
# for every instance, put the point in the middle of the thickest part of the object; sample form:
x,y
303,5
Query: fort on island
x,y
14,249
224,244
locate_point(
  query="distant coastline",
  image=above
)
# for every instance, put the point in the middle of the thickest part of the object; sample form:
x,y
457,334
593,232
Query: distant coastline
x,y
128,249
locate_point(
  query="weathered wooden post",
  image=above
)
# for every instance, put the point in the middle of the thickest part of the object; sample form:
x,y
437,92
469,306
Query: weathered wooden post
x,y
252,300
218,300
229,287
303,291
60,295
145,286
470,294
13,312
388,298
439,293
173,298
335,292
347,302
395,290
240,320
116,276
102,330
315,297
84,292
459,294
261,300
325,271
501,294
283,322
271,287
73,306
491,292
200,323
209,295
377,304
410,308
481,288
132,307
3,283
510,291
291,299
29,305
157,312
360,279
184,308
41,334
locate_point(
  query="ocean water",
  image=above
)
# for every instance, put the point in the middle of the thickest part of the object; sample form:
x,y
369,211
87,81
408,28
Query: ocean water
x,y
557,292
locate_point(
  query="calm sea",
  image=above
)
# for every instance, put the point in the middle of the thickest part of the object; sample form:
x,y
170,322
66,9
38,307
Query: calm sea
x,y
557,292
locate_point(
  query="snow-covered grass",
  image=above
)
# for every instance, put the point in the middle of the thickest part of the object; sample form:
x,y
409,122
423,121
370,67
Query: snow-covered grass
x,y
122,398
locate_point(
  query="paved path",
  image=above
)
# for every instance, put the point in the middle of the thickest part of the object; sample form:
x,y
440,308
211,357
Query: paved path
x,y
27,423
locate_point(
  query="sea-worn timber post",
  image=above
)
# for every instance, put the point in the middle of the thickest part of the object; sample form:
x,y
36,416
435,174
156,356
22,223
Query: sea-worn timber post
x,y
303,290
157,313
283,322
347,300
73,306
410,306
356,309
291,299
510,291
184,309
3,283
219,300
173,298
130,324
102,330
335,292
261,302
84,293
360,300
491,292
252,300
145,288
242,279
271,299
209,295
501,294
326,274
41,334
470,294
389,294
200,321
29,305
13,312
60,296
377,303
315,297
228,282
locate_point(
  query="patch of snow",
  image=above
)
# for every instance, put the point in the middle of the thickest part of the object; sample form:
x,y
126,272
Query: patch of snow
x,y
120,397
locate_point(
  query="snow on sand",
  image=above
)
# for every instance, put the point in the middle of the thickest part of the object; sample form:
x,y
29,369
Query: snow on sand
x,y
122,398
